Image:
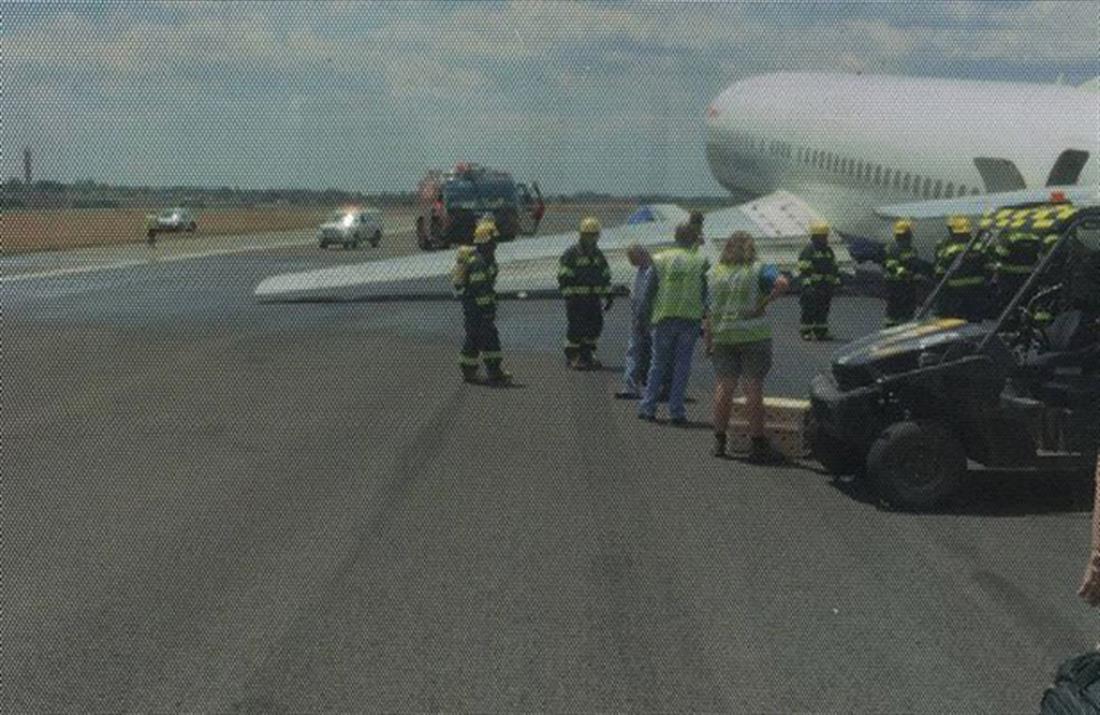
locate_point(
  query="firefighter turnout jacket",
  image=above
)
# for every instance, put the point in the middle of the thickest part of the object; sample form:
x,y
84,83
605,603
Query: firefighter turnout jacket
x,y
817,266
583,272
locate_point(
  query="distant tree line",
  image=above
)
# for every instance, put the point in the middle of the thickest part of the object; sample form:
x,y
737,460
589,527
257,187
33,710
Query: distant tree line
x,y
91,194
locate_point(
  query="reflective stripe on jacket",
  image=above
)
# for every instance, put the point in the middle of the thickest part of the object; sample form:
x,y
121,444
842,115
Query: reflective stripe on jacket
x,y
475,283
817,266
583,272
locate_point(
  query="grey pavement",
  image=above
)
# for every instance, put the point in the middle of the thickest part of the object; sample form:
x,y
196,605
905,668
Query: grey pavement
x,y
220,506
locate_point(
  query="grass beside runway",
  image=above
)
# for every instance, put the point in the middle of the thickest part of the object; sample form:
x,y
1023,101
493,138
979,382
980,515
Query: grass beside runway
x,y
34,230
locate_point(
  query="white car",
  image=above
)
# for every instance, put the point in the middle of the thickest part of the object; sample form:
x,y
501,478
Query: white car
x,y
348,227
177,219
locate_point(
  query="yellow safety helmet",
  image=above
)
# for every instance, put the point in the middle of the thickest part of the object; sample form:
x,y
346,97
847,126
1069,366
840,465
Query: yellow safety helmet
x,y
902,227
819,228
485,232
589,225
958,224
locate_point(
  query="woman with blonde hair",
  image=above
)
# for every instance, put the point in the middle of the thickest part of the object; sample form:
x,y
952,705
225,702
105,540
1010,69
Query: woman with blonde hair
x,y
738,338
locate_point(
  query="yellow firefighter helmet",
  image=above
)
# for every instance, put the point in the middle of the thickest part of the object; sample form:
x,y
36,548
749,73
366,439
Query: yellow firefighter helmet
x,y
958,224
485,232
589,225
819,228
903,227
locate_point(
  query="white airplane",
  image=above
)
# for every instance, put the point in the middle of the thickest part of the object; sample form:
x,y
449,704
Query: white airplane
x,y
854,150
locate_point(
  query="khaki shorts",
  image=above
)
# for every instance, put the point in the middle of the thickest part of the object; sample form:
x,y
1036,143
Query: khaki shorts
x,y
749,360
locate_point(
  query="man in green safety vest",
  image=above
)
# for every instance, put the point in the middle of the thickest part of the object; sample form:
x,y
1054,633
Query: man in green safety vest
x,y
674,299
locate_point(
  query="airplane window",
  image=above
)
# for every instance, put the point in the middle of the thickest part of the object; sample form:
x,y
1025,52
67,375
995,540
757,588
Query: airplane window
x,y
937,189
836,164
949,192
927,187
975,191
897,179
859,170
815,156
878,174
905,186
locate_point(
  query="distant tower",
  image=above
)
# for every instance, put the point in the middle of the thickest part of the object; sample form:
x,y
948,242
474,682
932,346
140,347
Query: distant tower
x,y
28,176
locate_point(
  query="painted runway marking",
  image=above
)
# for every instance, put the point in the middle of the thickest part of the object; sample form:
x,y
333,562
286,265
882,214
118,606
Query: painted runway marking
x,y
94,268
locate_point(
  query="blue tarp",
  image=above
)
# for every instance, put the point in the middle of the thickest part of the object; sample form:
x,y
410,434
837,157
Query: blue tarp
x,y
643,214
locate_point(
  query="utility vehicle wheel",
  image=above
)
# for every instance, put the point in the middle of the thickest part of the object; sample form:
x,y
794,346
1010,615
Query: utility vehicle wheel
x,y
323,245
916,465
376,239
836,456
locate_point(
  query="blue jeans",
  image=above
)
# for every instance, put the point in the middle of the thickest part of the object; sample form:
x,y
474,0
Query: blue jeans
x,y
673,345
636,364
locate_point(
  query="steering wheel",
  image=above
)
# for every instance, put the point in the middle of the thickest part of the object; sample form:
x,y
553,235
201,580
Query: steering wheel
x,y
1032,333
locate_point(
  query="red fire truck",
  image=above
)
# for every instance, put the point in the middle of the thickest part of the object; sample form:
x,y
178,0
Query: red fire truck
x,y
452,202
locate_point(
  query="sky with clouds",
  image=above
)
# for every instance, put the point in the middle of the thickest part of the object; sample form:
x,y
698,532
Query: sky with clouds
x,y
366,96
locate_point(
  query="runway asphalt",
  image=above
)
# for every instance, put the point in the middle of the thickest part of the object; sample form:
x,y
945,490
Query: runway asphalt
x,y
214,505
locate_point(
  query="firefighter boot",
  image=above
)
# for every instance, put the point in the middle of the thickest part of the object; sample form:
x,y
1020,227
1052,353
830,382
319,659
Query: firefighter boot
x,y
498,376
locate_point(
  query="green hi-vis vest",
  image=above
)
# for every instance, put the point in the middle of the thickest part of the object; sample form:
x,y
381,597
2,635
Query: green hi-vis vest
x,y
735,295
680,275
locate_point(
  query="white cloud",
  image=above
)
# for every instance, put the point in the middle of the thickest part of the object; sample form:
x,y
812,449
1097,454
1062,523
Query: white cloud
x,y
562,76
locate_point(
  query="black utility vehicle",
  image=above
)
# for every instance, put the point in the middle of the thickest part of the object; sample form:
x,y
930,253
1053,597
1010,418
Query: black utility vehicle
x,y
907,407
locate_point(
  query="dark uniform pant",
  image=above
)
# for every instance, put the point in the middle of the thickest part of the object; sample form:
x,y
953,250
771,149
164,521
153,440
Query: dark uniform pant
x,y
966,302
901,302
816,301
1008,285
584,317
482,339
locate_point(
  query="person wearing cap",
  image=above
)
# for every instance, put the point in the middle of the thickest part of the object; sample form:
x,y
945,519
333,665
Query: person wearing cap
x,y
819,276
675,297
474,281
638,349
901,271
584,279
964,293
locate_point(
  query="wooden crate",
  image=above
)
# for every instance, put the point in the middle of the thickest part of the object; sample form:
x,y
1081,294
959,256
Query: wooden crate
x,y
784,421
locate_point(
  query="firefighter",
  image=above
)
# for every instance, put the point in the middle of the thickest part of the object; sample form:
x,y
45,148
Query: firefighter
x,y
584,279
902,269
963,296
819,275
695,220
1014,255
474,280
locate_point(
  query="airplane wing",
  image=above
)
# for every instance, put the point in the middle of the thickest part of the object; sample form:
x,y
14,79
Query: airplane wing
x,y
778,221
978,205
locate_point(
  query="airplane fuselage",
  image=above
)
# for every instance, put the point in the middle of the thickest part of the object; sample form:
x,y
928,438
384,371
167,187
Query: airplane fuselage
x,y
849,143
